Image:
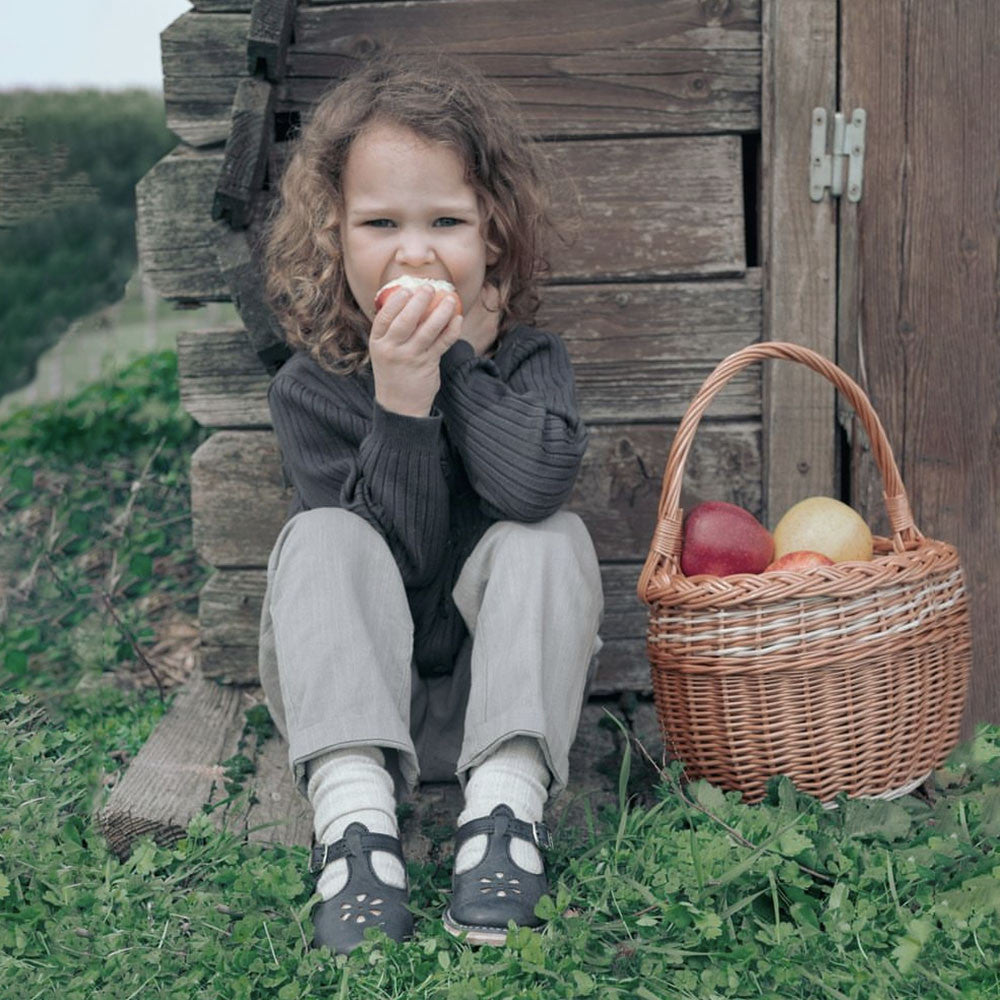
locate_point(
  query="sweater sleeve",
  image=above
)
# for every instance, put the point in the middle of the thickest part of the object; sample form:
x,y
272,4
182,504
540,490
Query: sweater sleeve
x,y
515,424
387,469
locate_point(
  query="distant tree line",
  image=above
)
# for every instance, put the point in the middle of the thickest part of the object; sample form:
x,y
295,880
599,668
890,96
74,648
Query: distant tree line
x,y
69,163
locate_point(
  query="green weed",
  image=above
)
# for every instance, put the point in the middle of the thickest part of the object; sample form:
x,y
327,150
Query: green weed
x,y
95,543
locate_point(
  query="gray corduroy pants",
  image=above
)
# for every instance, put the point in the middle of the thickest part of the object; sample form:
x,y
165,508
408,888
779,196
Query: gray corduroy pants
x,y
336,639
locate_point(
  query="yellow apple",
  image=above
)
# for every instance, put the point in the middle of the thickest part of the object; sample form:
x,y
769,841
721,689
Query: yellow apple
x,y
822,524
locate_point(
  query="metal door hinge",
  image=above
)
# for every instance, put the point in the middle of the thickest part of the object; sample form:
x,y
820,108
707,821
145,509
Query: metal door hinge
x,y
826,170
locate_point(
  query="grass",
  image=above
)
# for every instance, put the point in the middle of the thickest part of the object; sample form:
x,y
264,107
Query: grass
x,y
689,895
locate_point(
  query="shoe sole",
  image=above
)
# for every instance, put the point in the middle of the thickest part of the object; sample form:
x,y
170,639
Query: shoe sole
x,y
473,934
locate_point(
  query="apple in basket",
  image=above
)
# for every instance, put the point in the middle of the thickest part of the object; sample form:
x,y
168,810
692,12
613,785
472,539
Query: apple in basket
x,y
822,524
722,539
799,559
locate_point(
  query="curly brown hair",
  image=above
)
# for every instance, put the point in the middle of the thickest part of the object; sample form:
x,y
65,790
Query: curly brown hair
x,y
442,101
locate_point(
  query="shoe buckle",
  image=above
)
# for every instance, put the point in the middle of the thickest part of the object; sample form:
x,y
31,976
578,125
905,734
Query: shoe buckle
x,y
540,835
318,860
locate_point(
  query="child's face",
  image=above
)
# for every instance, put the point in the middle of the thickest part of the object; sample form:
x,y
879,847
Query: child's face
x,y
409,210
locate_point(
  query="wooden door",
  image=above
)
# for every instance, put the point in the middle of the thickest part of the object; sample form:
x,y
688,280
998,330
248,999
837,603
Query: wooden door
x,y
920,303
650,110
900,288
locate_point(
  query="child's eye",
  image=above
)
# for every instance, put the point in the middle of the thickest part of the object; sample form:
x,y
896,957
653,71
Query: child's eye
x,y
380,223
447,220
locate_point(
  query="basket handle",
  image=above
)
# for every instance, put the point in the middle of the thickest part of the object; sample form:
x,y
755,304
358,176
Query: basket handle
x,y
666,544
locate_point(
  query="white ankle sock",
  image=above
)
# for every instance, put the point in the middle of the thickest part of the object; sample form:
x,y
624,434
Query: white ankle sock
x,y
515,774
352,786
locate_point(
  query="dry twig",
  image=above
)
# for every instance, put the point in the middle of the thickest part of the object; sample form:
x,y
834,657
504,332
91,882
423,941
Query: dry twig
x,y
133,642
120,524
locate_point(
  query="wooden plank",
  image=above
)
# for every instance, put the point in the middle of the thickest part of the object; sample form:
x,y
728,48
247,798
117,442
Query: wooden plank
x,y
222,6
175,233
648,209
642,209
270,31
800,246
204,59
923,340
617,491
245,160
592,94
667,23
178,768
222,382
623,666
278,812
230,602
244,6
679,66
639,352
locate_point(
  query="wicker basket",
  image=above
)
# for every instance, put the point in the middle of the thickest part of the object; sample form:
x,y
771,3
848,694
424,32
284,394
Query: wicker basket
x,y
847,678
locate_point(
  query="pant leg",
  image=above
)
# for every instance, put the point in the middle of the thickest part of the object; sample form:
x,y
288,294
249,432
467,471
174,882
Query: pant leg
x,y
531,597
336,641
437,717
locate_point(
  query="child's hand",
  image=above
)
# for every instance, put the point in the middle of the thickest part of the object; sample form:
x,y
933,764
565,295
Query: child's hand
x,y
479,325
406,351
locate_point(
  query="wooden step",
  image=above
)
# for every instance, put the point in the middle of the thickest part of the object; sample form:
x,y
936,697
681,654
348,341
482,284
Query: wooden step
x,y
179,773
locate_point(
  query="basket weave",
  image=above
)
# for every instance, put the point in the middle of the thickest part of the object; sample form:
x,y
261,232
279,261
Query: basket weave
x,y
847,678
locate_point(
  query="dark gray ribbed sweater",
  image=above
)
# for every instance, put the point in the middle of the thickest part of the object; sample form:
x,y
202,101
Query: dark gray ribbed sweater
x,y
503,442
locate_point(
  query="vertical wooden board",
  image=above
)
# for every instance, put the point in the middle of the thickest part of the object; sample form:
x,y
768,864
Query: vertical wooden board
x,y
799,247
267,40
878,85
245,160
926,296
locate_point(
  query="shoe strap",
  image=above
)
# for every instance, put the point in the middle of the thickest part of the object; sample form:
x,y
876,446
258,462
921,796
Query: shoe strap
x,y
357,840
535,833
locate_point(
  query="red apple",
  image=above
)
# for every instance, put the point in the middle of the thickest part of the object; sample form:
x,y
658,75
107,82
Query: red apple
x,y
800,559
723,539
441,288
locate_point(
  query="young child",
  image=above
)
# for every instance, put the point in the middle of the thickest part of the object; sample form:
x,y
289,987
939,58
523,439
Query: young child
x,y
431,612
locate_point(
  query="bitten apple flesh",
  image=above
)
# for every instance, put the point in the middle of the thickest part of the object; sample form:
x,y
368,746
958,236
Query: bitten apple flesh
x,y
722,539
440,287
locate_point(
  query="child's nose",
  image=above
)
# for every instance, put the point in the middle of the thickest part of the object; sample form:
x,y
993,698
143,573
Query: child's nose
x,y
414,249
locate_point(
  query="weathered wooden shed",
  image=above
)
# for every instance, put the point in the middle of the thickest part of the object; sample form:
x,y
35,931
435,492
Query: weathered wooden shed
x,y
721,200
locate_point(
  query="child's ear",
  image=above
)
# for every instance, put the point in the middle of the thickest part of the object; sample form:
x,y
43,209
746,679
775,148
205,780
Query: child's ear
x,y
492,253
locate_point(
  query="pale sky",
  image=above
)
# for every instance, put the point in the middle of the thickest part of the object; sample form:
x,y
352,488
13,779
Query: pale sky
x,y
108,44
